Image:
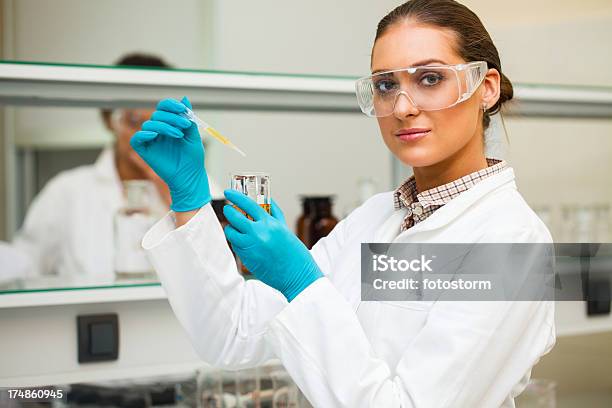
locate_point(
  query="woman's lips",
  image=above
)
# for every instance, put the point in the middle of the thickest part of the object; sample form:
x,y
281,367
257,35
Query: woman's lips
x,y
410,135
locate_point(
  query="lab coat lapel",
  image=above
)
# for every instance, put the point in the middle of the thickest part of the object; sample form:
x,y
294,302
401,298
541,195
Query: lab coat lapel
x,y
389,231
391,227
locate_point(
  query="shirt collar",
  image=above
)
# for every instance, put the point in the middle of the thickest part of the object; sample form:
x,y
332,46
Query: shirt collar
x,y
407,193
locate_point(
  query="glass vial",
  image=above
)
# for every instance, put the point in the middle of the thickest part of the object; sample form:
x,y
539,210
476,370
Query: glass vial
x,y
131,224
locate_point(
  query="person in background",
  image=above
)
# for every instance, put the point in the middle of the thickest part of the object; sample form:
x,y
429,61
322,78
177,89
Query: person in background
x,y
68,229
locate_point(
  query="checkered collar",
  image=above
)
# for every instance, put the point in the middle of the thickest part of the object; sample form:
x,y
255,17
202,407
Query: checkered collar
x,y
406,194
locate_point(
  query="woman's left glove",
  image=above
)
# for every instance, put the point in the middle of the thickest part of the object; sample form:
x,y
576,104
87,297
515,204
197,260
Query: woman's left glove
x,y
267,247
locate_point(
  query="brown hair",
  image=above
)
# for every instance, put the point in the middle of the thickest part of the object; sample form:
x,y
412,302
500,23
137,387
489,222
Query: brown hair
x,y
473,41
136,59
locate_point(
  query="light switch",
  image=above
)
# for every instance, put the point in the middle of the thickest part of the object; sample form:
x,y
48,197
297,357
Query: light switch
x,y
98,338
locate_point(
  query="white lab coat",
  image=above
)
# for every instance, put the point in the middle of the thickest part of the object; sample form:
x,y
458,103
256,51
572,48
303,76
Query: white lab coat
x,y
346,353
68,229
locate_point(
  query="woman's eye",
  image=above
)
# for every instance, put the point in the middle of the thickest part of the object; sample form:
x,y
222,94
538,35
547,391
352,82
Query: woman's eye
x,y
384,86
431,79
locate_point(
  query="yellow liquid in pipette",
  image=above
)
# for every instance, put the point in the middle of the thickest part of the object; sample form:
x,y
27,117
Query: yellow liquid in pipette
x,y
213,132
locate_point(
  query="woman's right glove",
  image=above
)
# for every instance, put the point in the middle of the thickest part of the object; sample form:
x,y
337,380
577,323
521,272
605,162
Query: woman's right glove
x,y
171,145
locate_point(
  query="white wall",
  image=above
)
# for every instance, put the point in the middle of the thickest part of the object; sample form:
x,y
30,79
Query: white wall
x,y
99,32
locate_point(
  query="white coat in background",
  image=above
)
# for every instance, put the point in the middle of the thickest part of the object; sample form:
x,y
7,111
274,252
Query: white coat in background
x,y
346,353
68,228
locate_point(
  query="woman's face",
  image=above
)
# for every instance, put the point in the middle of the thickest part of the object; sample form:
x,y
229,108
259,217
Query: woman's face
x,y
447,131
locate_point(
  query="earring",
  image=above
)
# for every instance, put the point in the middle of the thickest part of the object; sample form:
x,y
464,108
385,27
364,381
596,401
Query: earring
x,y
484,108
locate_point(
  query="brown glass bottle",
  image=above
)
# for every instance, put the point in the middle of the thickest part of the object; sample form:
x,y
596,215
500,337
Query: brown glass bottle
x,y
302,224
320,220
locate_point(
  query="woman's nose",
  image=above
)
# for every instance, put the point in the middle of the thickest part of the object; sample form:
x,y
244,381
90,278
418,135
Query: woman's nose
x,y
404,106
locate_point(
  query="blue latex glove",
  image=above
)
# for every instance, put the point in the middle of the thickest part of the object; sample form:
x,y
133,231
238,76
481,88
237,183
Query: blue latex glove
x,y
172,146
267,247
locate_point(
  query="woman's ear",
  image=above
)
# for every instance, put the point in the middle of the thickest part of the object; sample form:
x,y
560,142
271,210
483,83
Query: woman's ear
x,y
491,88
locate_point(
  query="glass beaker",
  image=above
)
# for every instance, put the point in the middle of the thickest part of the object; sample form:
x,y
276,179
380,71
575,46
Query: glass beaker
x,y
255,185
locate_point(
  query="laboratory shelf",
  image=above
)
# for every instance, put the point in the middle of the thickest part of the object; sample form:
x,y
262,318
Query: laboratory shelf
x,y
60,290
23,83
97,86
79,295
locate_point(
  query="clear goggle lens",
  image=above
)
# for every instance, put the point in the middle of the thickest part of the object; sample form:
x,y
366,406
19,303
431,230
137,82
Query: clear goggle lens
x,y
428,88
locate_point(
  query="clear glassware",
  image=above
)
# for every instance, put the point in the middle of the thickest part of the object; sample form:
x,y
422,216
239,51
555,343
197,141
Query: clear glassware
x,y
286,393
567,224
248,389
603,224
210,389
255,185
539,393
130,225
186,392
584,226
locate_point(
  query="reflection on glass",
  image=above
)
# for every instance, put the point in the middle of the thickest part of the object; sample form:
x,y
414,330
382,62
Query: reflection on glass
x,y
76,231
131,224
81,224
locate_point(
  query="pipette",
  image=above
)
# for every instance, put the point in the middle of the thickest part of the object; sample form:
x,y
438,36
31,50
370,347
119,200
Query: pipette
x,y
211,131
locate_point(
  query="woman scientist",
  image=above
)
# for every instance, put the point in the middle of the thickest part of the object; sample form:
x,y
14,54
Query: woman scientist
x,y
305,307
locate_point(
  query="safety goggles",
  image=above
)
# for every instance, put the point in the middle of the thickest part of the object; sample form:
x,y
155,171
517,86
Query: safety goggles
x,y
127,119
428,87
